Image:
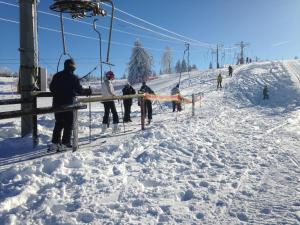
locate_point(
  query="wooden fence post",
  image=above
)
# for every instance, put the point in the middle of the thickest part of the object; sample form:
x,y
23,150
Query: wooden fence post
x,y
75,130
193,104
35,126
143,113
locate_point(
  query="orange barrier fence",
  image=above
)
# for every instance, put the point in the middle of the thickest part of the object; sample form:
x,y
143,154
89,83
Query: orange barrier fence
x,y
169,98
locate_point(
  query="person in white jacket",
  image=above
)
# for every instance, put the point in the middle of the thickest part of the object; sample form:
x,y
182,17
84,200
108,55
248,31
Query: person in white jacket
x,y
107,90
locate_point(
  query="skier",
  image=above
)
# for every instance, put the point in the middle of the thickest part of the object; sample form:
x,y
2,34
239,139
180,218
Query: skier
x,y
265,93
127,90
145,89
230,70
176,104
65,86
219,79
107,90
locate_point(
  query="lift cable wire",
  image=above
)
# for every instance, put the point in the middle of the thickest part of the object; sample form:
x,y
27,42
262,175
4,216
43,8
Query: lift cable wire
x,y
83,36
90,24
159,27
106,28
124,21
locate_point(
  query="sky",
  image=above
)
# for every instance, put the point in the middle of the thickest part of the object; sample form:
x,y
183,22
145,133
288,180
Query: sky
x,y
271,27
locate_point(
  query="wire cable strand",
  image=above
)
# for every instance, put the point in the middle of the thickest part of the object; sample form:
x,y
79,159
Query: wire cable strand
x,y
83,36
199,44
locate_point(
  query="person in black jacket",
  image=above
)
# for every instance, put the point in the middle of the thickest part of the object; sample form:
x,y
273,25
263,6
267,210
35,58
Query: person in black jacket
x,y
146,89
127,90
64,87
230,71
265,93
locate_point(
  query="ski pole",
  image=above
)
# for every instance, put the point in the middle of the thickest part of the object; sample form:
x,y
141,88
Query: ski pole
x,y
90,118
122,116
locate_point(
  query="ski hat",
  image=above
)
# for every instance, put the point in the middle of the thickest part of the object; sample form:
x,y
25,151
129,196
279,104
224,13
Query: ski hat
x,y
70,64
110,75
144,83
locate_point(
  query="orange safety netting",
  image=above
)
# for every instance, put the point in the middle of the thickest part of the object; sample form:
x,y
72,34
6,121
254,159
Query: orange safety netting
x,y
169,98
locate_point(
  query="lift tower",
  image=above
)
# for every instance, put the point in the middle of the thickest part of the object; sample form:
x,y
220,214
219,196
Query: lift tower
x,y
28,59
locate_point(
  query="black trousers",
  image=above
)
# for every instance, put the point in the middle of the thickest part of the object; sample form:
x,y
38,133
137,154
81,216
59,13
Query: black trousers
x,y
127,108
266,96
148,109
63,122
219,84
110,107
177,106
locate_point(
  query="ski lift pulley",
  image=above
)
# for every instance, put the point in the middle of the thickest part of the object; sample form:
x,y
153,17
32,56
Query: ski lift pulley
x,y
79,8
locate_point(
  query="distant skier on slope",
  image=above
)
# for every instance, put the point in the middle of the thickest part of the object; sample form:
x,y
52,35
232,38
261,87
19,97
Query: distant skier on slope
x,y
265,93
230,71
148,104
176,104
107,90
65,86
127,90
219,80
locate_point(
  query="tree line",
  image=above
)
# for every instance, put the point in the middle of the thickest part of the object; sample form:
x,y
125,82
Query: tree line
x,y
140,66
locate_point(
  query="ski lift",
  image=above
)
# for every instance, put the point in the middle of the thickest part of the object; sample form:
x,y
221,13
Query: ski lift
x,y
81,9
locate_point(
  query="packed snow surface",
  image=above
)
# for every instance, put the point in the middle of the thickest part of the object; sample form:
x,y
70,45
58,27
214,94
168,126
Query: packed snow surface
x,y
235,162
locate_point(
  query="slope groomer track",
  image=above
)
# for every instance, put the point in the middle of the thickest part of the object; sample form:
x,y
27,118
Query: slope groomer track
x,y
235,162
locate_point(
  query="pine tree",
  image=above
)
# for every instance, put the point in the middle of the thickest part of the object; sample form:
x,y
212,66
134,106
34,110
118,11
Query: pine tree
x,y
210,65
140,65
166,61
184,66
178,67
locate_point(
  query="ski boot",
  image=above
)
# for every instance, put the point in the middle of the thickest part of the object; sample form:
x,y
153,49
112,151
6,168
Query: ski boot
x,y
104,127
115,128
54,147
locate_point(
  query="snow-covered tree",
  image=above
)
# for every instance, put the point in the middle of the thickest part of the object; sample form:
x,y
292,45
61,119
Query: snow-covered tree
x,y
194,67
178,67
184,66
166,60
140,65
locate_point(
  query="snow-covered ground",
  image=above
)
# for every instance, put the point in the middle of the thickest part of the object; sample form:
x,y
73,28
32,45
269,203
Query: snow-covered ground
x,y
236,162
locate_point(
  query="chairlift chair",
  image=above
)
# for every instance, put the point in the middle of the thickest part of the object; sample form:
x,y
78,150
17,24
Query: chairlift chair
x,y
81,9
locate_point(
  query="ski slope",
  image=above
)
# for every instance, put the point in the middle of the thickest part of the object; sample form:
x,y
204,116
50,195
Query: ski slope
x,y
236,162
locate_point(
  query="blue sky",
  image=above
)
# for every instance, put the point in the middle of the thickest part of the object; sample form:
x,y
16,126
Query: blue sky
x,y
270,26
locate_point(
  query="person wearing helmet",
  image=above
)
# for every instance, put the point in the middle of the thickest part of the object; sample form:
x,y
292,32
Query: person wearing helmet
x,y
107,90
127,90
176,104
65,86
146,89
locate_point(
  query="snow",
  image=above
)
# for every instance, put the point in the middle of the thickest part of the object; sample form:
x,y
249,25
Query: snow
x,y
236,162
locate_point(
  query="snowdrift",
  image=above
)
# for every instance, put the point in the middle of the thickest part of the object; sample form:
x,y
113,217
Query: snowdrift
x,y
250,80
